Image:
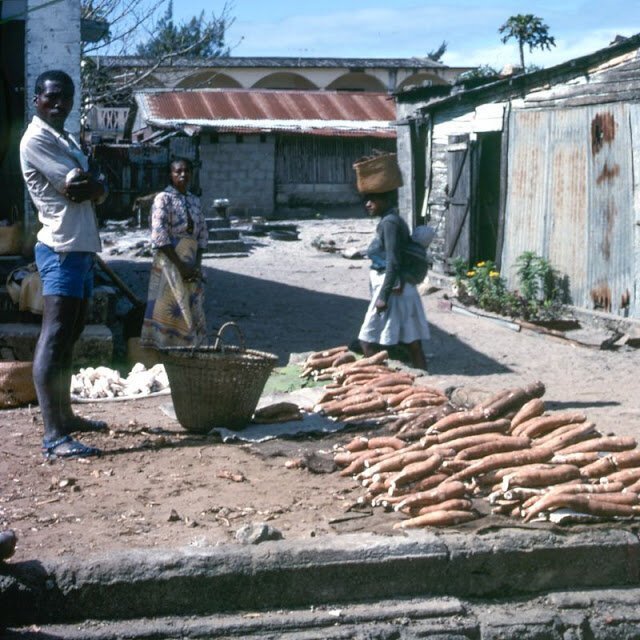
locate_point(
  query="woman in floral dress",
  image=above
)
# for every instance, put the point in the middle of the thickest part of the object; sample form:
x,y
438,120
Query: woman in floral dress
x,y
174,314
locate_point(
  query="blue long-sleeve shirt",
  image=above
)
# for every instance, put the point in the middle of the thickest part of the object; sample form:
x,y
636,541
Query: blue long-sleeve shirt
x,y
386,249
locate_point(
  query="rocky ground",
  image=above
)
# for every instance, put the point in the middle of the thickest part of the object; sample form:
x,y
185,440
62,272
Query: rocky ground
x,y
157,485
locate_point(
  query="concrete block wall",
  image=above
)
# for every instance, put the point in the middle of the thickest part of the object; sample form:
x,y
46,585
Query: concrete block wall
x,y
240,169
53,42
309,195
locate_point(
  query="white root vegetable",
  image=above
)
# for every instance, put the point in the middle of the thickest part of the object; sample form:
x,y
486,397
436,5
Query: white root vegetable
x,y
440,518
531,409
445,491
496,445
541,477
416,471
544,424
455,504
396,462
606,443
582,503
507,459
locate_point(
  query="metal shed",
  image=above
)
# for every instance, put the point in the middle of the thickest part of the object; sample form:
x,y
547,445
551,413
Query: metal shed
x,y
545,162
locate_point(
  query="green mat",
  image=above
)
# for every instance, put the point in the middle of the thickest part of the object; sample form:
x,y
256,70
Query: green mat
x,y
287,379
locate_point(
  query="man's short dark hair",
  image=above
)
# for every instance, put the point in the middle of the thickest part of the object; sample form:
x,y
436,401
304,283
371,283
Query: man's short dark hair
x,y
180,159
54,75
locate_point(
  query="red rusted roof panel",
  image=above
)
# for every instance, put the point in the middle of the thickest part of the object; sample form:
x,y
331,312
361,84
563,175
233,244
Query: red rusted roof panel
x,y
235,104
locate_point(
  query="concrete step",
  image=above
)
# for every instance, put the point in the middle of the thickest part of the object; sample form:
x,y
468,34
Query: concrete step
x,y
330,571
224,234
610,614
218,223
226,246
222,256
8,309
9,263
18,341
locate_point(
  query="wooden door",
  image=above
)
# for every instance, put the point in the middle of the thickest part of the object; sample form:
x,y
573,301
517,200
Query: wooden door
x,y
459,189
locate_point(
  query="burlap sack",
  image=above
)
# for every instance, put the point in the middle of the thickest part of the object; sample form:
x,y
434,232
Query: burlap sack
x,y
10,240
16,384
25,288
378,174
137,353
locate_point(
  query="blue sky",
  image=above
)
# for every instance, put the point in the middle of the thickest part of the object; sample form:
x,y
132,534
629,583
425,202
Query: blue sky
x,y
406,28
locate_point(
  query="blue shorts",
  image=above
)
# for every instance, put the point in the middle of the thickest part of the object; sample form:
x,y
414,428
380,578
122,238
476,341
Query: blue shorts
x,y
67,274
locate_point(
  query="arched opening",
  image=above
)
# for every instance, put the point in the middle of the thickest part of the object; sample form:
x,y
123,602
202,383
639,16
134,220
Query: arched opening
x,y
357,81
421,79
283,80
209,80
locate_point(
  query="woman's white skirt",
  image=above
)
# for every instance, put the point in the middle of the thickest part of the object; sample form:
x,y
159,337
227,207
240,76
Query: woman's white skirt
x,y
403,320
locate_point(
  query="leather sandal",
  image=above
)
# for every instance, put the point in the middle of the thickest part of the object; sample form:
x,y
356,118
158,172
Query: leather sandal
x,y
67,447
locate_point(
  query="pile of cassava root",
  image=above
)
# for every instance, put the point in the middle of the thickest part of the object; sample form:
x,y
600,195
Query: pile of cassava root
x,y
438,460
367,389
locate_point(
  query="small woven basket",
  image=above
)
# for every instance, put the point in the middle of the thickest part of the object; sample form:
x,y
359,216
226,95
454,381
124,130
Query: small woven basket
x,y
378,174
216,386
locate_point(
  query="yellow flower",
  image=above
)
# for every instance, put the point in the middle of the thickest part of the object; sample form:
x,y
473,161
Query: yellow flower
x,y
470,274
481,264
494,274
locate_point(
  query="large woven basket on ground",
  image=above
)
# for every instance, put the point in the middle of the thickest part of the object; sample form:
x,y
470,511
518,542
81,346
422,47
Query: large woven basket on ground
x,y
216,386
16,384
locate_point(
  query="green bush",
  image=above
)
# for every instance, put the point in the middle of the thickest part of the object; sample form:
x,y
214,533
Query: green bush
x,y
539,297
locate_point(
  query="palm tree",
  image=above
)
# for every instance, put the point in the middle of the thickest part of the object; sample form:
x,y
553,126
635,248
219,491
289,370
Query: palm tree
x,y
527,29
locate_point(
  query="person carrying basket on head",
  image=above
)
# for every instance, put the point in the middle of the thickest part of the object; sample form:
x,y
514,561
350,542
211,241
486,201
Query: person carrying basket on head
x,y
395,314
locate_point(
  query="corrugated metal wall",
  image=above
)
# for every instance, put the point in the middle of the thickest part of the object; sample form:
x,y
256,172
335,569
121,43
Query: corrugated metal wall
x,y
570,199
634,120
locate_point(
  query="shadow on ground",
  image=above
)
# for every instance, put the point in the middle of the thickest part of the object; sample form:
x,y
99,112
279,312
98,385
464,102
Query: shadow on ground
x,y
555,405
285,319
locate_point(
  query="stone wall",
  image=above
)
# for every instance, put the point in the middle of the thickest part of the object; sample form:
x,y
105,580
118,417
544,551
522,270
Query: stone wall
x,y
240,168
243,169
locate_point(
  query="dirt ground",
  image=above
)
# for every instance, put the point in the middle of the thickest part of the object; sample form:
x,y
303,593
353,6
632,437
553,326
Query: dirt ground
x,y
157,485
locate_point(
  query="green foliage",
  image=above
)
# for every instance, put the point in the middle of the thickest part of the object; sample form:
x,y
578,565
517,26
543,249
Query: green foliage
x,y
529,30
130,22
196,38
539,297
541,284
438,53
477,76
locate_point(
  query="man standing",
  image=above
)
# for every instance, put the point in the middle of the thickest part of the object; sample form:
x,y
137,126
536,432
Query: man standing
x,y
56,172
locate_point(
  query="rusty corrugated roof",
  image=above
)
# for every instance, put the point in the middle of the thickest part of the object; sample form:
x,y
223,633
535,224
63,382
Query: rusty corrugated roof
x,y
315,112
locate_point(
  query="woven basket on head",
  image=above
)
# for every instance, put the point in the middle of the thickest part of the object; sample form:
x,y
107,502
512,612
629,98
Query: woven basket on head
x,y
378,174
216,386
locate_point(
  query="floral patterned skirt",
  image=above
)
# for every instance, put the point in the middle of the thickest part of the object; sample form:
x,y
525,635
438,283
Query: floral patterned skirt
x,y
174,316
